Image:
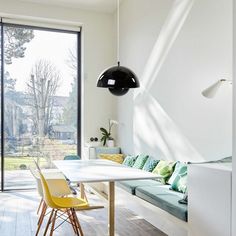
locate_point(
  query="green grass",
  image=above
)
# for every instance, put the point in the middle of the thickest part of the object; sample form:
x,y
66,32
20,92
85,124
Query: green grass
x,y
53,149
13,163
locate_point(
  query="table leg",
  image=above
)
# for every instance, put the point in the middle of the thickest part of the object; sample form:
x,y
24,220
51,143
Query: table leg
x,y
111,209
82,193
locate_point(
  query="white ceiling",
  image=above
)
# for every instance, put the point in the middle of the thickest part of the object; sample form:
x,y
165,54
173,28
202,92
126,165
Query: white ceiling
x,y
107,6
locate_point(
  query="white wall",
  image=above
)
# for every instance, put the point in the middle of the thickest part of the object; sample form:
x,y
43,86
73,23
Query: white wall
x,y
233,222
177,48
98,53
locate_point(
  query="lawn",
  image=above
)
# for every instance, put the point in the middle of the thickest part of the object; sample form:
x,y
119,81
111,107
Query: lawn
x,y
51,150
13,163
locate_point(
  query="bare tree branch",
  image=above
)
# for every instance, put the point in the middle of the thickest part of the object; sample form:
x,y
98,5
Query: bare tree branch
x,y
42,87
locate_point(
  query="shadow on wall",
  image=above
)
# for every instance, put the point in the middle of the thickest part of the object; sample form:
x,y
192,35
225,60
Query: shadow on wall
x,y
156,134
154,131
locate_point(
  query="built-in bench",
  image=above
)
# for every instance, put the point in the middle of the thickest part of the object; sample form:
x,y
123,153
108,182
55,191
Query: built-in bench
x,y
130,186
159,195
153,200
157,209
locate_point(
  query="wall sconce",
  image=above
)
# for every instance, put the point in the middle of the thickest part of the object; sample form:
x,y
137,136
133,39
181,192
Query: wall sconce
x,y
211,91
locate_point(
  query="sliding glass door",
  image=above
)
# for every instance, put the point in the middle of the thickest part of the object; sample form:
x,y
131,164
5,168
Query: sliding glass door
x,y
40,102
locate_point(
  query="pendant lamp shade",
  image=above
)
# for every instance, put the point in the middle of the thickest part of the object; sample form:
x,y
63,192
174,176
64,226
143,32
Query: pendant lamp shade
x,y
118,79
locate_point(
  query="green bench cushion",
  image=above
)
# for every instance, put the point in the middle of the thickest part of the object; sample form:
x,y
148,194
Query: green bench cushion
x,y
131,185
164,198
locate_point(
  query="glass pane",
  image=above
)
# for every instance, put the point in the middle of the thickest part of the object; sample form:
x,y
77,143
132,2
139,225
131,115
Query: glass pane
x,y
40,112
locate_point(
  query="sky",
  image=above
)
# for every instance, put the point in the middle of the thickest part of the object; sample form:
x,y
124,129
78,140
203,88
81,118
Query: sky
x,y
52,46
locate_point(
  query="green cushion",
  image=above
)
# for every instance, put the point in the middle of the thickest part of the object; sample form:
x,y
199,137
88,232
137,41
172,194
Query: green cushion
x,y
150,164
129,161
131,185
164,198
140,161
164,169
72,157
178,180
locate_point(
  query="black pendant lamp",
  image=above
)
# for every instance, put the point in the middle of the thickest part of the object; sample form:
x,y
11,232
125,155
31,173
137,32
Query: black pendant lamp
x,y
118,79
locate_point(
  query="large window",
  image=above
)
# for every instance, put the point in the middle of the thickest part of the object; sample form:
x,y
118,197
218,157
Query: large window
x,y
40,97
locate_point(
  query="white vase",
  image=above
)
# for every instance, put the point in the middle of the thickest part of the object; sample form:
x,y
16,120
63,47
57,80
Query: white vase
x,y
110,143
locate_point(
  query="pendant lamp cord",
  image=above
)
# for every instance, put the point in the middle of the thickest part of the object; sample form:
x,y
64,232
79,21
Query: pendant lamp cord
x,y
118,32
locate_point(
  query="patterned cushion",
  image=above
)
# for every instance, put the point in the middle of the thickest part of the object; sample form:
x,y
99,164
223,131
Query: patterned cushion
x,y
140,161
119,158
129,161
178,180
150,164
164,169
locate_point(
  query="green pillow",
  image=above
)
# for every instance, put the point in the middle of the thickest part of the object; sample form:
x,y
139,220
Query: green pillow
x,y
140,161
150,164
129,160
178,180
164,169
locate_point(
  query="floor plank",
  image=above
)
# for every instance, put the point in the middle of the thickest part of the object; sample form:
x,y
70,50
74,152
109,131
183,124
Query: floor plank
x,y
18,218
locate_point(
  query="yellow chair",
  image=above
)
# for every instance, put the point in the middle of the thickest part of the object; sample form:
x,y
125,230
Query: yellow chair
x,y
57,185
56,181
66,205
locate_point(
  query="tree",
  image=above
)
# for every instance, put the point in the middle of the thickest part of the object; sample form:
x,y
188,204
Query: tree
x,y
9,83
70,111
41,87
72,60
15,39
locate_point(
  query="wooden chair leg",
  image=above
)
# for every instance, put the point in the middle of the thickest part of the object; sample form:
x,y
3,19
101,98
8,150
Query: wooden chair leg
x,y
40,221
77,222
71,220
53,222
40,204
74,222
49,221
43,211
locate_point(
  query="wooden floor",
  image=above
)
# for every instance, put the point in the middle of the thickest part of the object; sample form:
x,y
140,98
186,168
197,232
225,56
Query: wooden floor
x,y
18,218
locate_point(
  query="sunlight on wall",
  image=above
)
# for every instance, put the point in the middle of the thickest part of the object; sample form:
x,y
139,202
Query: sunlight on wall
x,y
156,134
154,131
169,32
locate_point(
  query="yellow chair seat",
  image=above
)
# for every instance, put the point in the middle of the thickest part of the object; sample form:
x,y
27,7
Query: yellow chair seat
x,y
70,202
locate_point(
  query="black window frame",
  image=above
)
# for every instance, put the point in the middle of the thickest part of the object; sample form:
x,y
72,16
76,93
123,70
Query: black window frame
x,y
2,106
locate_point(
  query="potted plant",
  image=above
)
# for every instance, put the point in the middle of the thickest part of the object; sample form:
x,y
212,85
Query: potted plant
x,y
106,134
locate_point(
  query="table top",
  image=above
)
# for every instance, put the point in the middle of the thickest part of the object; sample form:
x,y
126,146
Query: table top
x,y
100,171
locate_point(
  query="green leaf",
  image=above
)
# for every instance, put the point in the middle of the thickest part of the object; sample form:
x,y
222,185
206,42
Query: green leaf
x,y
104,131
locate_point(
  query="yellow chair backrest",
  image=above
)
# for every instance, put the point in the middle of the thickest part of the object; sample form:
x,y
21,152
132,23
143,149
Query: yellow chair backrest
x,y
46,192
56,182
38,181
